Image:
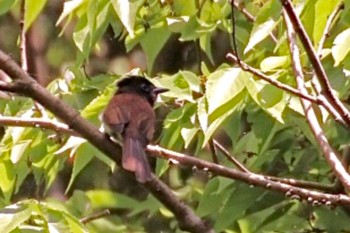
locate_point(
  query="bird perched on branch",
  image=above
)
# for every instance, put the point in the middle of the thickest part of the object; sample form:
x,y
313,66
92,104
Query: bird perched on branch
x,y
130,114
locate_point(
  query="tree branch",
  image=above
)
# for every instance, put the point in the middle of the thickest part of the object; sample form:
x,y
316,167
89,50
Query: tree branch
x,y
244,66
60,127
329,153
313,197
27,86
315,61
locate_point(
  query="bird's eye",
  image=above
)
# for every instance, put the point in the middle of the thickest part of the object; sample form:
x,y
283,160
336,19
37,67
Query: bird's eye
x,y
144,87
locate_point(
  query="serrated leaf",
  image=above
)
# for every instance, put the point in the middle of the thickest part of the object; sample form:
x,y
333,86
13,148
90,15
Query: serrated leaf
x,y
341,46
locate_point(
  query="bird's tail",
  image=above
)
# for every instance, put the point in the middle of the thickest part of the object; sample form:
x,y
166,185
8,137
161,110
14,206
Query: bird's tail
x,y
134,159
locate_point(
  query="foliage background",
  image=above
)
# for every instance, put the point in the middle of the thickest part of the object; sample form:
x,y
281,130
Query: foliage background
x,y
80,48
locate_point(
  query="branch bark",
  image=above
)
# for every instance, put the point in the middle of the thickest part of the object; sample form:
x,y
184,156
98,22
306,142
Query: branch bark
x,y
25,85
315,61
330,155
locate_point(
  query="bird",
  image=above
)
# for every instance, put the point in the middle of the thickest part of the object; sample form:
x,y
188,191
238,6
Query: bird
x,y
130,114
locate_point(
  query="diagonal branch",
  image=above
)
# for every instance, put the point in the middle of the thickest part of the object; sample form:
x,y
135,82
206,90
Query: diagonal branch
x,y
330,155
25,85
315,61
321,100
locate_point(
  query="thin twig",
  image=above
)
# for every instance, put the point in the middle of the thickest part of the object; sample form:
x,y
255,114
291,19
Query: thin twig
x,y
327,29
233,19
23,50
213,151
249,16
95,216
244,66
37,123
232,159
22,41
329,153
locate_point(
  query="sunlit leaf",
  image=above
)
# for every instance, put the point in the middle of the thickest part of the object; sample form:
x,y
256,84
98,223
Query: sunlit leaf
x,y
228,82
271,63
126,11
68,8
12,216
259,33
341,47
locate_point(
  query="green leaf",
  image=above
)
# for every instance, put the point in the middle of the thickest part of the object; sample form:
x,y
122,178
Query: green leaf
x,y
68,8
240,200
152,42
126,11
323,8
341,47
6,5
83,156
215,193
223,85
81,35
14,215
33,9
270,98
180,85
188,134
202,113
271,63
18,150
8,178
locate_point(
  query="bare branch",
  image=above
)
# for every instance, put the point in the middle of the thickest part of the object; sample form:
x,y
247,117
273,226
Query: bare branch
x,y
22,41
230,157
314,197
330,155
36,123
95,216
63,128
315,61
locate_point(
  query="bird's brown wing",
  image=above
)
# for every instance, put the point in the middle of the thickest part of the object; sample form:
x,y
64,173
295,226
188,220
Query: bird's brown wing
x,y
116,117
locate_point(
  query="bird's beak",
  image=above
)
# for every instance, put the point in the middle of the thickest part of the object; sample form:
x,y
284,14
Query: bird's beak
x,y
159,90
